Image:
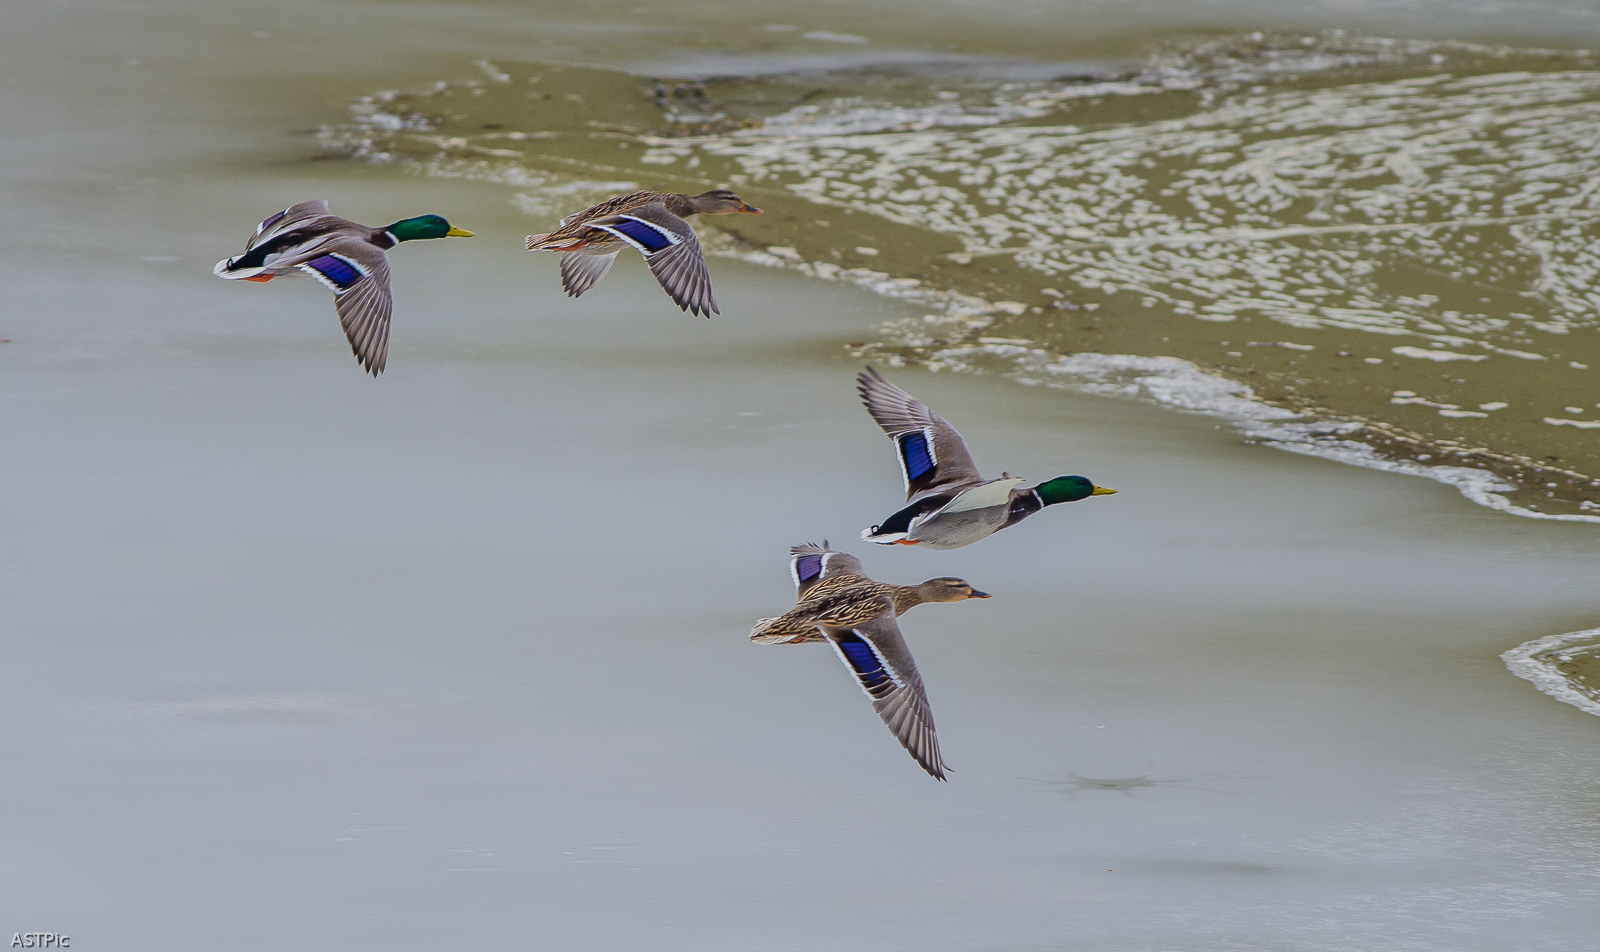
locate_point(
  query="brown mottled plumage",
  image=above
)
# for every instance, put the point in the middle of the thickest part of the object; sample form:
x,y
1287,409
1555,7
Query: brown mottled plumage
x,y
652,223
844,601
837,603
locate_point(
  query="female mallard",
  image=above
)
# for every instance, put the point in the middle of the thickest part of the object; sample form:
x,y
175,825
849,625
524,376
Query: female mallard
x,y
652,222
347,257
835,602
950,504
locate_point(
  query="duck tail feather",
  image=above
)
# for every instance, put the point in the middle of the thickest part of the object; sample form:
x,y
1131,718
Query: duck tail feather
x,y
225,269
783,630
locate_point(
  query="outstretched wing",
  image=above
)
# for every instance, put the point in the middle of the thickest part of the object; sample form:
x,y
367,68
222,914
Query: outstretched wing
x,y
932,454
672,251
358,275
811,563
580,272
287,219
877,655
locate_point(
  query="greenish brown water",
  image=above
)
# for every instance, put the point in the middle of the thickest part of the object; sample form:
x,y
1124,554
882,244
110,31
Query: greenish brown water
x,y
1388,239
1565,666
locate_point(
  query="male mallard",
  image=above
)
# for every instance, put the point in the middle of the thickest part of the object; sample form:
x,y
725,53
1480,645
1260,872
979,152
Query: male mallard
x,y
652,222
950,504
347,257
836,602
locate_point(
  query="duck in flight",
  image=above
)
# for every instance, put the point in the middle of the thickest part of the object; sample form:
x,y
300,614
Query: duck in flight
x,y
949,504
651,223
836,602
351,260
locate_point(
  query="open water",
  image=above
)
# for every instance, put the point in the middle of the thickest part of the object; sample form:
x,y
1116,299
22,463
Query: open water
x,y
458,656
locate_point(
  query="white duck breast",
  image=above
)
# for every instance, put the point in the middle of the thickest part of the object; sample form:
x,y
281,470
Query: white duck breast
x,y
952,530
948,502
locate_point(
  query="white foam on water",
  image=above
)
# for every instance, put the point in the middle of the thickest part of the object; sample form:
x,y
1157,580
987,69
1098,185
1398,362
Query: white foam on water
x,y
1295,204
1027,89
1401,170
1180,384
1435,355
827,37
1527,661
1168,381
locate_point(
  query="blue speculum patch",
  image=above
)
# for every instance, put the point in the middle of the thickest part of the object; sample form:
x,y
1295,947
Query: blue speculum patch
x,y
808,567
914,450
271,221
647,237
337,270
865,663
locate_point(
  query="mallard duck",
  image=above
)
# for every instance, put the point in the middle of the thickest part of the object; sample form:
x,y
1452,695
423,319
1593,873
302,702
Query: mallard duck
x,y
653,223
348,258
950,504
836,602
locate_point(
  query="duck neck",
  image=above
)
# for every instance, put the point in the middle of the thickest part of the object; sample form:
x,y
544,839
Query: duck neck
x,y
681,205
907,597
1023,505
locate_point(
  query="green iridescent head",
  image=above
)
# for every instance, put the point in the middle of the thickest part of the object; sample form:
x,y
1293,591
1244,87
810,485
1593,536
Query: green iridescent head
x,y
425,226
1068,489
